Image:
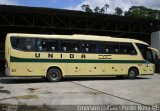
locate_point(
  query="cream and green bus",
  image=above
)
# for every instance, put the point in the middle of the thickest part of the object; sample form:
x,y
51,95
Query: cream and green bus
x,y
60,56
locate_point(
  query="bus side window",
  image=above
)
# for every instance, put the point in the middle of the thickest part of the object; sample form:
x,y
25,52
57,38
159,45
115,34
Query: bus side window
x,y
24,44
30,44
84,47
53,48
40,48
39,45
64,46
90,47
110,47
106,50
116,51
76,49
54,45
142,49
74,46
46,45
15,42
127,48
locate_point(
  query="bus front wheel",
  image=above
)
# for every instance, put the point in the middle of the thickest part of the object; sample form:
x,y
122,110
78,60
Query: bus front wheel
x,y
132,73
54,75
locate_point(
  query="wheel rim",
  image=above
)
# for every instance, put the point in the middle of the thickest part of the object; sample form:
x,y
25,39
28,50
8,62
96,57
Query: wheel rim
x,y
132,74
54,76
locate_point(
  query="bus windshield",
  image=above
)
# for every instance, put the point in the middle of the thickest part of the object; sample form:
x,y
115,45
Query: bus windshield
x,y
155,58
146,52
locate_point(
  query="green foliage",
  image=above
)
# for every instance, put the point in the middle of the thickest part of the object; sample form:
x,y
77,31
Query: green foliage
x,y
141,11
106,6
86,8
97,10
102,10
118,11
136,11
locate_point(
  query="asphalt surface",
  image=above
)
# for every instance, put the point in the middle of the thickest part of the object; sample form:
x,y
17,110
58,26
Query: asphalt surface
x,y
145,90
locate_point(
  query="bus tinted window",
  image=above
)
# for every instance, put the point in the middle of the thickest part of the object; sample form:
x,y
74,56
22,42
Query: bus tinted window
x,y
149,56
90,47
146,53
111,47
47,45
127,48
70,46
74,46
142,49
25,44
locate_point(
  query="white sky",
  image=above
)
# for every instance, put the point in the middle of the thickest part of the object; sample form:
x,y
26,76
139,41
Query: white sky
x,y
76,4
124,4
9,2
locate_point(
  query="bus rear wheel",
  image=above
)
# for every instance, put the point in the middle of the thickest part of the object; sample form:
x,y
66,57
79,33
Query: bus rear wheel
x,y
132,73
54,75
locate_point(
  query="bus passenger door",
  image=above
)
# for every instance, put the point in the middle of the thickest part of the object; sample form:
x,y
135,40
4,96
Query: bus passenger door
x,y
147,68
150,62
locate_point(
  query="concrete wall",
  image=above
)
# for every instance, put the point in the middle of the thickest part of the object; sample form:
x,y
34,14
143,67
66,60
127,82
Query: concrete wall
x,y
155,40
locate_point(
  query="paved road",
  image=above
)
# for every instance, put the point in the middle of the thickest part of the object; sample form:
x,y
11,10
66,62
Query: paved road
x,y
87,91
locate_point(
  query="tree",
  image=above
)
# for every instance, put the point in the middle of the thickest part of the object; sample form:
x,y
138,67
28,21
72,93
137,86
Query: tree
x,y
106,6
118,11
141,11
97,10
102,10
137,11
86,8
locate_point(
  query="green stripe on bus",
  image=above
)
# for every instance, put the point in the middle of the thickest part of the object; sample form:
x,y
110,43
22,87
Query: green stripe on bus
x,y
15,59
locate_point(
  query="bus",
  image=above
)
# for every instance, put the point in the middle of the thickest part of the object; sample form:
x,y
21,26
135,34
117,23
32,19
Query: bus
x,y
58,56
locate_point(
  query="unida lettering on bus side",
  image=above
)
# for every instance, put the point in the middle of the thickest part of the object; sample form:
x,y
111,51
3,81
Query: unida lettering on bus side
x,y
72,56
51,55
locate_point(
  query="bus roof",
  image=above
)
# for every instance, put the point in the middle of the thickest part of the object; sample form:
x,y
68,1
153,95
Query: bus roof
x,y
78,37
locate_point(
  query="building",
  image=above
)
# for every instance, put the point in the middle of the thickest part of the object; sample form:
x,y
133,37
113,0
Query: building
x,y
19,19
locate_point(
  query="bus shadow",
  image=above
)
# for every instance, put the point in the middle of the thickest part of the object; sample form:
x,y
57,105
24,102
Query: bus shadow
x,y
43,80
100,79
22,80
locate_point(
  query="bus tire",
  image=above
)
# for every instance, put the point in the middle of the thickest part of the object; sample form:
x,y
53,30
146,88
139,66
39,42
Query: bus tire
x,y
132,73
54,75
